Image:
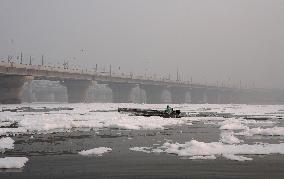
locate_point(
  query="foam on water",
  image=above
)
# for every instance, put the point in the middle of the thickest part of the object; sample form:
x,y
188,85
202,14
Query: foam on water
x,y
201,150
274,131
229,138
88,116
6,143
13,162
96,151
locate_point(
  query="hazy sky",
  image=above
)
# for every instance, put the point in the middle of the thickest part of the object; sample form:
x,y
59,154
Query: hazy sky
x,y
207,40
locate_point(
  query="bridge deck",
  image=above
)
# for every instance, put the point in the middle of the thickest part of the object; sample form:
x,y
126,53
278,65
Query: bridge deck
x,y
60,74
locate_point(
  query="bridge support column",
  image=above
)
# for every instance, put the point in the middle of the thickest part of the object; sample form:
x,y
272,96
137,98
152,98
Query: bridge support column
x,y
30,91
11,88
153,93
121,92
198,96
179,95
188,97
76,90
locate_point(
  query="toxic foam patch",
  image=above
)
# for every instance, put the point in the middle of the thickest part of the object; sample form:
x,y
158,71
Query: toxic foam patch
x,y
196,148
96,151
6,143
13,162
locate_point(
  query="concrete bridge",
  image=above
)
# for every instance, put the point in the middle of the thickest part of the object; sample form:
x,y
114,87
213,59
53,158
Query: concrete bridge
x,y
13,76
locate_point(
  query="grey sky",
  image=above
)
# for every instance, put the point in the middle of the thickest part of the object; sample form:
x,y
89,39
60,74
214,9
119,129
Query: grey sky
x,y
209,40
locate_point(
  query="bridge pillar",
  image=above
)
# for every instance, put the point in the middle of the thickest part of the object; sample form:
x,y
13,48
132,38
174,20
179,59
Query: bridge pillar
x,y
198,95
28,95
179,95
76,90
188,97
11,88
121,92
153,93
30,91
166,96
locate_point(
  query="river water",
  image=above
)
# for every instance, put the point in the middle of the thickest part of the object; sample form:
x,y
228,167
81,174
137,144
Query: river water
x,y
213,141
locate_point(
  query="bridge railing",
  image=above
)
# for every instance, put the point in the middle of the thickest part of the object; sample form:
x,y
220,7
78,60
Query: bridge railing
x,y
77,71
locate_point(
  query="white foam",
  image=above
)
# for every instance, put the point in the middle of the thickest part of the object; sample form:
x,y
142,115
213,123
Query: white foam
x,y
232,124
13,162
236,157
6,143
81,117
141,149
196,148
274,131
96,151
229,138
207,157
7,131
45,123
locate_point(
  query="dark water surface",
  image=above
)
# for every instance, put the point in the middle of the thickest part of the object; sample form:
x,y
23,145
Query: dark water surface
x,y
56,156
140,165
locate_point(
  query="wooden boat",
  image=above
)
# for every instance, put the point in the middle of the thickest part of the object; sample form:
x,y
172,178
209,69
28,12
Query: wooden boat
x,y
150,112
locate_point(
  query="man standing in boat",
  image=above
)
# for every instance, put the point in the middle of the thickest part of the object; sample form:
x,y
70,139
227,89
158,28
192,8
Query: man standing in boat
x,y
169,110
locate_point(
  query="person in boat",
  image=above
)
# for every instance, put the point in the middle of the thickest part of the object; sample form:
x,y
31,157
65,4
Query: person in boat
x,y
169,110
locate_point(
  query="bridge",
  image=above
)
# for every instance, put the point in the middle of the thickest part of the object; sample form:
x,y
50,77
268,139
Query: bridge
x,y
13,76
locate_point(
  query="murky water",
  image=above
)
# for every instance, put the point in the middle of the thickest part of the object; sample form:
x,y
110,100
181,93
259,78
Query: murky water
x,y
52,146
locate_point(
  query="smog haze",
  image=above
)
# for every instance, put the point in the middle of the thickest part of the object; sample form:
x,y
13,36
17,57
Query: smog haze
x,y
207,41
